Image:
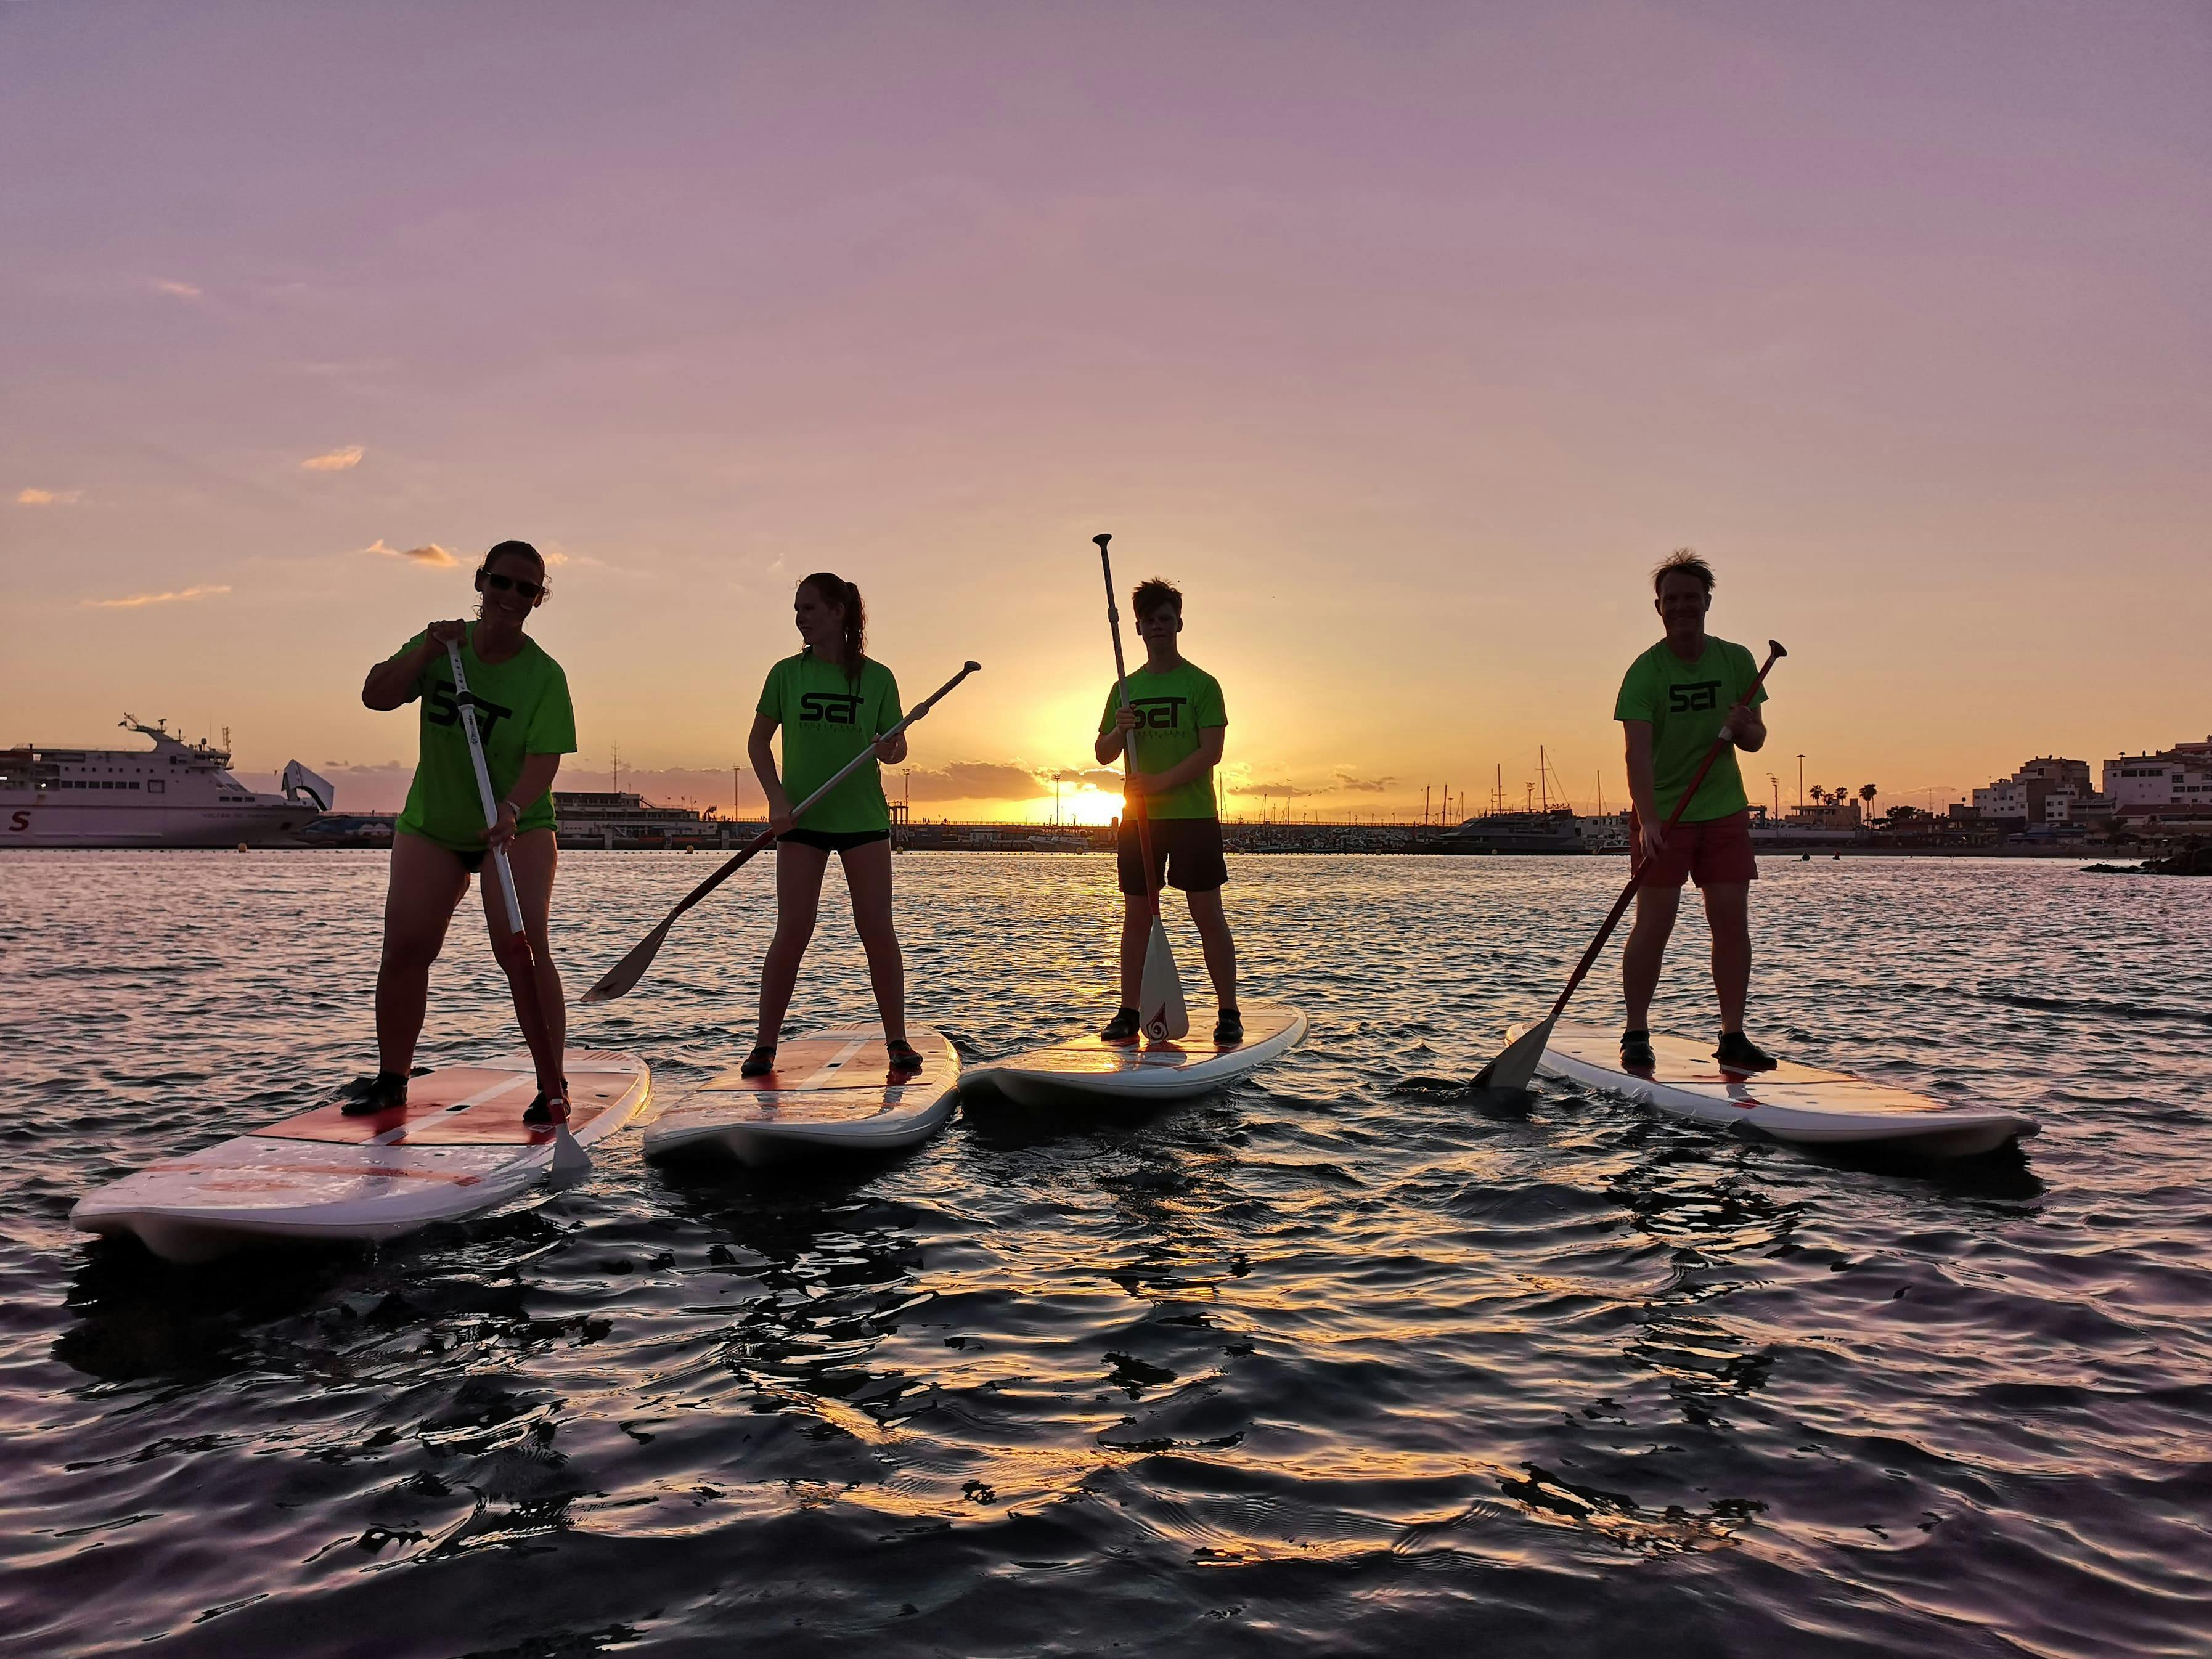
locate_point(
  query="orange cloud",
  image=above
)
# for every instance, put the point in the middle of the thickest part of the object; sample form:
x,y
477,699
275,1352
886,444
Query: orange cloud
x,y
336,460
136,599
430,553
181,290
48,497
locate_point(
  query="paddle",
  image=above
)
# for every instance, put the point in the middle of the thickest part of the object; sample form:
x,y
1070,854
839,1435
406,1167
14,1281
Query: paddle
x,y
1160,1008
570,1160
1516,1067
625,973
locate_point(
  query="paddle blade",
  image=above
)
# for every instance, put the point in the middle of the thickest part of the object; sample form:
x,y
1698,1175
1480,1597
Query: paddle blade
x,y
1160,992
1516,1069
570,1161
624,975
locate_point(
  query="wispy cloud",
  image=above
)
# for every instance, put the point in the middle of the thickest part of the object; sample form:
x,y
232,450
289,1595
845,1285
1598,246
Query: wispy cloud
x,y
137,599
335,460
48,497
430,553
1345,781
180,290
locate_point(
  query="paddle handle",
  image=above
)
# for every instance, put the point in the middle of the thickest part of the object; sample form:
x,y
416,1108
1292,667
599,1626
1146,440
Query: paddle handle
x,y
484,784
1132,802
1775,654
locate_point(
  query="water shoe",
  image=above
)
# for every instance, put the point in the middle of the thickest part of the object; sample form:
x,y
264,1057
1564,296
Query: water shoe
x,y
760,1062
385,1092
1123,1028
1738,1053
1635,1054
1229,1028
541,1114
905,1057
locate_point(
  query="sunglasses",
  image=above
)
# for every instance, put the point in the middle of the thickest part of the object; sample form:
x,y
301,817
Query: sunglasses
x,y
528,590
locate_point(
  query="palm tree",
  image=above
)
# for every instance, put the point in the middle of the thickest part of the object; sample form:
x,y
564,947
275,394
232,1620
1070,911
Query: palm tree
x,y
1867,793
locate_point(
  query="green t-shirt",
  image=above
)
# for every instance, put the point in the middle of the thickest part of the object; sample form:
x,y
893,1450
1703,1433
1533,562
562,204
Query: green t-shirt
x,y
1685,703
1172,709
522,709
827,721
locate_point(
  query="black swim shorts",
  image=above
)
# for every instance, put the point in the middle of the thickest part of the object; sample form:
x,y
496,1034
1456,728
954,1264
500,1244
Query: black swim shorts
x,y
1186,854
832,840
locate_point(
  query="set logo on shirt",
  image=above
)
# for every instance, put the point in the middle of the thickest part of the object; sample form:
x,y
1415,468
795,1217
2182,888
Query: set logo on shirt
x,y
1693,699
830,708
1158,713
445,710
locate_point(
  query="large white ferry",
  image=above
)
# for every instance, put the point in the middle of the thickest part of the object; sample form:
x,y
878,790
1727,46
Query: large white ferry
x,y
180,794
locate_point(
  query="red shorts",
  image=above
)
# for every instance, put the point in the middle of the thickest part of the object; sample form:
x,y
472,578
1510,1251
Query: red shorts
x,y
1716,851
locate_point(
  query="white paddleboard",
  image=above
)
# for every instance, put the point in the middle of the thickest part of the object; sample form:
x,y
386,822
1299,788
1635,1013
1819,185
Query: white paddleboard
x,y
1088,1067
457,1147
1799,1103
831,1091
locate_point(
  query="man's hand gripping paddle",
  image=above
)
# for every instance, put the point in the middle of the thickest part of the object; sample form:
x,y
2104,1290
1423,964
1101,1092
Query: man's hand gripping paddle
x,y
570,1160
1516,1068
625,973
1160,1009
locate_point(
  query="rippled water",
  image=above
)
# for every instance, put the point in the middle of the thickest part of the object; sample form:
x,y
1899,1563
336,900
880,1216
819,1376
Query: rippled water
x,y
1339,1360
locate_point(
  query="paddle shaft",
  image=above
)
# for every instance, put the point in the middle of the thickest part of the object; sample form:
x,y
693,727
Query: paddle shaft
x,y
1133,802
527,981
602,992
1636,863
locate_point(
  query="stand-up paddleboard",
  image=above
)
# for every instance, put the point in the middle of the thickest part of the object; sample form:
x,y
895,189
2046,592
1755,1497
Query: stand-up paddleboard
x,y
457,1147
1799,1103
1090,1068
831,1091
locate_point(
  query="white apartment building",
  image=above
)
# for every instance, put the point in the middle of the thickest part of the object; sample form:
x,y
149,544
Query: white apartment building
x,y
2180,776
2072,806
2022,795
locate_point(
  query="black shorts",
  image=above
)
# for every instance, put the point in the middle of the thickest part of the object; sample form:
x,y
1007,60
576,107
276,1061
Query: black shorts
x,y
832,840
1186,852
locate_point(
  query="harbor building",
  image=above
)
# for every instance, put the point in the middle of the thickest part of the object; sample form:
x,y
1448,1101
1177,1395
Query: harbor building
x,y
2176,778
2021,796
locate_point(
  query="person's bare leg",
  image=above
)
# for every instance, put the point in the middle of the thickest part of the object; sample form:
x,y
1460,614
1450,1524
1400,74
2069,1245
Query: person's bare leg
x,y
1728,912
797,895
426,883
1646,949
1214,939
540,1005
868,879
1136,934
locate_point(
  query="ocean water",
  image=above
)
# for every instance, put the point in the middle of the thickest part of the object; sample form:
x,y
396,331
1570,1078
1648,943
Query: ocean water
x,y
1340,1360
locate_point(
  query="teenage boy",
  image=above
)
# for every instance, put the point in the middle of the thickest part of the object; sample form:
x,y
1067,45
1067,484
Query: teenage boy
x,y
1677,698
1173,730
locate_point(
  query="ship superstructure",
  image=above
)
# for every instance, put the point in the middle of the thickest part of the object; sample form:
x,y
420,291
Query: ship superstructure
x,y
176,794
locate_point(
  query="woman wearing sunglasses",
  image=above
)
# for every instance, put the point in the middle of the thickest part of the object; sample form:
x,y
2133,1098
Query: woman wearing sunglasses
x,y
525,723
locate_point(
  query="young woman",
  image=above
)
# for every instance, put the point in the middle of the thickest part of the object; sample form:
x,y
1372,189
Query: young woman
x,y
526,724
832,701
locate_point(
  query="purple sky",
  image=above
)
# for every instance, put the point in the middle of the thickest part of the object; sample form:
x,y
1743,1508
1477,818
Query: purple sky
x,y
1406,336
